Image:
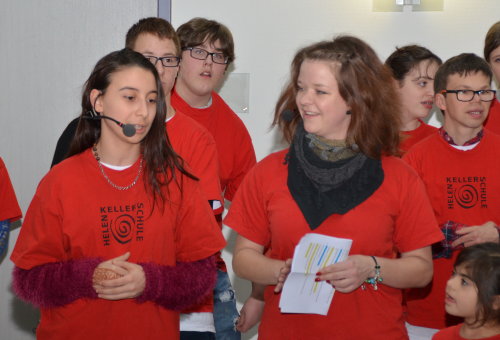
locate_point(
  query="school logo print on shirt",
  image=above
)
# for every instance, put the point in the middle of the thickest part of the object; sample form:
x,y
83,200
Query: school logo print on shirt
x,y
466,192
122,223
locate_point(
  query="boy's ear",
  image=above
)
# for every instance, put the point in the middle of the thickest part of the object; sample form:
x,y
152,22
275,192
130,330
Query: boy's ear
x,y
440,101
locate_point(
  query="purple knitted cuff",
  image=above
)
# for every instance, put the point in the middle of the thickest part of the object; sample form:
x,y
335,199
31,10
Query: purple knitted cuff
x,y
56,284
181,286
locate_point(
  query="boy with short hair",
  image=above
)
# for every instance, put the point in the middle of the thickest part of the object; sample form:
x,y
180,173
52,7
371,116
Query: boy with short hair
x,y
207,51
459,166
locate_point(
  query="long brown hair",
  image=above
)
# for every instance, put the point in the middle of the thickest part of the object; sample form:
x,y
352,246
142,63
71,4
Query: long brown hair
x,y
160,159
366,86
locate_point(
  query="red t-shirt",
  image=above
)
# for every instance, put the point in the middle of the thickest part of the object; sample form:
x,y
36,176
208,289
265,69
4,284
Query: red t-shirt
x,y
493,121
397,216
234,145
463,187
9,208
76,214
410,138
197,147
453,333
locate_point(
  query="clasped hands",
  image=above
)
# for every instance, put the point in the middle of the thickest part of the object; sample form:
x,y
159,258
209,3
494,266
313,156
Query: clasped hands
x,y
118,279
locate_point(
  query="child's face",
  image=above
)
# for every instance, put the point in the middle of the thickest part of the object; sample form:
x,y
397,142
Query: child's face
x,y
461,295
464,117
201,77
417,90
495,63
321,106
151,45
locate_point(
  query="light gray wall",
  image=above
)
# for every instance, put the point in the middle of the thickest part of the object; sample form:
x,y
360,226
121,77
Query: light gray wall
x,y
47,50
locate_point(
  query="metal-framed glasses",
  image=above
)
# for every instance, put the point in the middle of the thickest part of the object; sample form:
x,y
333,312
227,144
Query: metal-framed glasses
x,y
169,61
468,95
201,54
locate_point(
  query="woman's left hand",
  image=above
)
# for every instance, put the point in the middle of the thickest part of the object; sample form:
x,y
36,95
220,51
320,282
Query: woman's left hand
x,y
348,275
128,286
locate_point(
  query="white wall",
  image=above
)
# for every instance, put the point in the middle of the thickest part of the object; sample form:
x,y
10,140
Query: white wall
x,y
47,50
268,33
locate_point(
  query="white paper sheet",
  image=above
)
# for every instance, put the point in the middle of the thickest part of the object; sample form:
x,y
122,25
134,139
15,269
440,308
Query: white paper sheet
x,y
301,294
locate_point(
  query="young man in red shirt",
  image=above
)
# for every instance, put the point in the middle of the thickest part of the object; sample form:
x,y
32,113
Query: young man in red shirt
x,y
207,51
459,165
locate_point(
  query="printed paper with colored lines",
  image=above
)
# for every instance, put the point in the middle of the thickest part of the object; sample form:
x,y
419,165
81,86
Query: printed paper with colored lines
x,y
301,294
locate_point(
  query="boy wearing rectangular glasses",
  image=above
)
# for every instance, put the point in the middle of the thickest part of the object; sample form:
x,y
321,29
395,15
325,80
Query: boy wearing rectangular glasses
x,y
207,51
459,166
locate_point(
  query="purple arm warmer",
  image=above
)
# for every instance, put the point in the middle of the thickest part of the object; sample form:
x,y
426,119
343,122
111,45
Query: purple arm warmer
x,y
56,284
181,286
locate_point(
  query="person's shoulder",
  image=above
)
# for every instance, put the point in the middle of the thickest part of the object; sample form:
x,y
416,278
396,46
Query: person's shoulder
x,y
423,147
189,127
224,109
427,141
70,166
273,161
448,333
395,165
491,135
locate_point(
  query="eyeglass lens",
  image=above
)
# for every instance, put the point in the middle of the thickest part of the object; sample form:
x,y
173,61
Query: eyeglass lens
x,y
165,61
468,95
201,54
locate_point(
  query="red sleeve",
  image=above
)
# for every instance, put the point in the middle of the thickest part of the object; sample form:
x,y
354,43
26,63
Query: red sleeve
x,y
197,235
206,168
244,160
450,333
41,238
416,226
197,147
9,208
248,212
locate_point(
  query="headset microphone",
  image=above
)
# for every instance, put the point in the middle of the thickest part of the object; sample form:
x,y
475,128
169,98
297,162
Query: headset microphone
x,y
128,129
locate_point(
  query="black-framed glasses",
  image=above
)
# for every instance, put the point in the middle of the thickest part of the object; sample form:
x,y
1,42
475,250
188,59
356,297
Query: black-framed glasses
x,y
201,54
468,95
169,61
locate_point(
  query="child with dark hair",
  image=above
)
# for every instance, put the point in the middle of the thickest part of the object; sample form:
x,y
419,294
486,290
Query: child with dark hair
x,y
413,68
473,293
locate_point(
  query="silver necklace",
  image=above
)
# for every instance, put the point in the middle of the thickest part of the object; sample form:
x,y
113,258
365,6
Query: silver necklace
x,y
98,159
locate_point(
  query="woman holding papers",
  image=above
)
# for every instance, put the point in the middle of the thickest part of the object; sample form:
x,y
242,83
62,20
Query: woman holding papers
x,y
339,112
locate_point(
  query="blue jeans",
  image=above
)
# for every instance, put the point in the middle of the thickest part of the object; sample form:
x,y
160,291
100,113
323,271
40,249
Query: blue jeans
x,y
225,311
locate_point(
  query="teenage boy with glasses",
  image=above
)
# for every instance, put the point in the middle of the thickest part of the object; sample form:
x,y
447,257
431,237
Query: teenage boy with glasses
x,y
459,166
207,51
